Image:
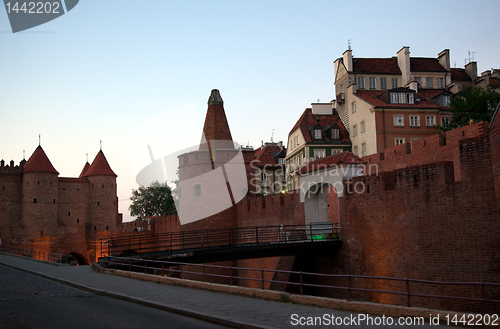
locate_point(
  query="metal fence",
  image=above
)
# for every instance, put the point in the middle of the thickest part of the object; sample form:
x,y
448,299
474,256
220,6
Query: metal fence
x,y
36,254
169,268
145,242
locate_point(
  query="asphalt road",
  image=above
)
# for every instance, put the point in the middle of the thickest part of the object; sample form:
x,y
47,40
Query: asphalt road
x,y
29,301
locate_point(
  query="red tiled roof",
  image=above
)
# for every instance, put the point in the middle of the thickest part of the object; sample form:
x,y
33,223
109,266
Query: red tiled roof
x,y
372,97
345,157
73,179
264,155
459,74
419,64
376,65
430,92
85,168
99,166
39,162
495,81
307,119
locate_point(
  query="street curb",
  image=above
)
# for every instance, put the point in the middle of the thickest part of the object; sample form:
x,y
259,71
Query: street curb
x,y
220,320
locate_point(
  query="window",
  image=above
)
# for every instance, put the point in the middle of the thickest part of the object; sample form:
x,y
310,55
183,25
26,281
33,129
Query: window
x,y
383,83
372,83
317,133
402,98
410,99
440,83
394,98
355,130
419,80
319,154
361,83
446,100
356,150
335,134
363,149
353,107
398,120
281,160
445,121
428,82
414,120
399,140
362,126
197,190
34,200
263,177
430,120
394,83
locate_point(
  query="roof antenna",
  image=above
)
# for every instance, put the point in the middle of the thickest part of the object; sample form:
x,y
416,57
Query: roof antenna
x,y
349,44
272,137
24,154
87,157
101,145
39,139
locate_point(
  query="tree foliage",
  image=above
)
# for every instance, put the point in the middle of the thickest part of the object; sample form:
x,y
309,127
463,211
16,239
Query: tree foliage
x,y
154,200
473,105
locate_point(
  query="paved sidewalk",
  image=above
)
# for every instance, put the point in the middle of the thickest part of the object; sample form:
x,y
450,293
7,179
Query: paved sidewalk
x,y
226,309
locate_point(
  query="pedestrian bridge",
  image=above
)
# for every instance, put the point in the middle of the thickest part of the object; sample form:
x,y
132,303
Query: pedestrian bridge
x,y
203,246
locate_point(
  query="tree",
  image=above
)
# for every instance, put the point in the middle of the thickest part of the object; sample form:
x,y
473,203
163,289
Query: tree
x,y
472,105
154,200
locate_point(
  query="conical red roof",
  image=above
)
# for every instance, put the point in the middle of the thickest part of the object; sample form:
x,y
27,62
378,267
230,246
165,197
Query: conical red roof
x,y
84,170
99,166
39,162
216,127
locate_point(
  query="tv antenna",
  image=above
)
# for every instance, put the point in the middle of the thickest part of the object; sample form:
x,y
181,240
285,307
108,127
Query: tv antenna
x,y
272,136
349,44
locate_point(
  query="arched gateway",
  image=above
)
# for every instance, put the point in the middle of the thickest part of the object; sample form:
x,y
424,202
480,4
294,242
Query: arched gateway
x,y
317,176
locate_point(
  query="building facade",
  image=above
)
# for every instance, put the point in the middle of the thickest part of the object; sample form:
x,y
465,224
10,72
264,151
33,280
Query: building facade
x,y
318,133
269,164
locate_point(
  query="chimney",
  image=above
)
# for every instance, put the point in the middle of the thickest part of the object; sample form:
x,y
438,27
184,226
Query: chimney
x,y
414,86
347,56
321,108
444,59
404,64
471,70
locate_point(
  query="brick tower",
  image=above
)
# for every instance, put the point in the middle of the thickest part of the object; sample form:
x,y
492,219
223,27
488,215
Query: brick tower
x,y
495,152
39,195
103,203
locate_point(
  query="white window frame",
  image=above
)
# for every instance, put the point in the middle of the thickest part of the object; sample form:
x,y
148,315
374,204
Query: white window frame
x,y
355,130
443,122
383,83
335,133
430,120
398,120
402,98
373,82
446,100
361,82
363,149
317,134
362,126
318,154
411,99
263,177
399,140
353,107
394,98
414,120
356,150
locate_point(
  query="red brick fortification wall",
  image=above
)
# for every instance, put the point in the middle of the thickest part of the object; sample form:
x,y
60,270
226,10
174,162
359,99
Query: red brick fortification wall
x,y
425,150
495,155
417,222
10,199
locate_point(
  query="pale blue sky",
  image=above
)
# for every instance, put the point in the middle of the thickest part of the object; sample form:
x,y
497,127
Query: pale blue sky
x,y
108,66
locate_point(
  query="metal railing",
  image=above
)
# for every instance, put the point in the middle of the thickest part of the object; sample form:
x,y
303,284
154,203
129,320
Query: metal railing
x,y
35,254
169,267
145,242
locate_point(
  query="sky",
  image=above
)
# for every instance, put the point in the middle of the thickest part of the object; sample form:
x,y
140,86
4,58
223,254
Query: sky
x,y
139,73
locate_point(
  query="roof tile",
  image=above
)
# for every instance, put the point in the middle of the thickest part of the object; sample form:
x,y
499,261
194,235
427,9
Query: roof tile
x,y
99,166
39,162
345,157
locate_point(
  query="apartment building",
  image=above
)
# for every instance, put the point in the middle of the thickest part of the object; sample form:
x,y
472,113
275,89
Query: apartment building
x,y
318,133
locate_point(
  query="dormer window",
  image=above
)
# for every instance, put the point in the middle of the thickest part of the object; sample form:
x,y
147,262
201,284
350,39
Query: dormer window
x,y
410,99
317,133
335,133
394,98
402,98
446,100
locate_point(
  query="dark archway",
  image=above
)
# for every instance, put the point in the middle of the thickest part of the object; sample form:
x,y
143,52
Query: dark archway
x,y
75,258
